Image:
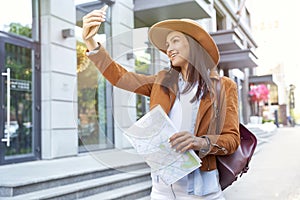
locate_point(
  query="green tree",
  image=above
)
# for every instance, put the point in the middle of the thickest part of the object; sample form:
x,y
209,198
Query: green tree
x,y
19,29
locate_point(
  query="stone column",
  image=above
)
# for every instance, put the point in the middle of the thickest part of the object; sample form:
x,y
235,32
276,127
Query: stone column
x,y
122,44
59,80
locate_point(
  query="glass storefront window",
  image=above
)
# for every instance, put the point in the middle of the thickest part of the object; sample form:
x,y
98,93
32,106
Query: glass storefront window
x,y
92,89
16,17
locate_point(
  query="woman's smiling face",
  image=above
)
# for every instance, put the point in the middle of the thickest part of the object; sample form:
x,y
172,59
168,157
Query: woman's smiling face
x,y
177,49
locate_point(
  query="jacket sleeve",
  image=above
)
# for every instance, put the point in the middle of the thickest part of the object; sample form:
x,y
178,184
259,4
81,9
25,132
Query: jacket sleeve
x,y
119,76
229,139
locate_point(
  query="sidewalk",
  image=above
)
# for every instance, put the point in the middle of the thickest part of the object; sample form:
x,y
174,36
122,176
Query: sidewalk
x,y
274,170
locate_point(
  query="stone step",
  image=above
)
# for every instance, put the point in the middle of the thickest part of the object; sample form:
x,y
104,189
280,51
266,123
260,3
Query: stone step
x,y
139,191
144,198
46,182
90,187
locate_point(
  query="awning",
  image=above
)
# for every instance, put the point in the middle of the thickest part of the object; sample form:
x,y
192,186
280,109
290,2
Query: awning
x,y
146,13
272,85
227,40
265,79
237,59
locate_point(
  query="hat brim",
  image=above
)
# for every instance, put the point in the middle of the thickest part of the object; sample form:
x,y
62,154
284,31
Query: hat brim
x,y
159,31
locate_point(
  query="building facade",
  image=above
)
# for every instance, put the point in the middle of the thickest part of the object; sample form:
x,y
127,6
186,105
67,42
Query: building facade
x,y
54,103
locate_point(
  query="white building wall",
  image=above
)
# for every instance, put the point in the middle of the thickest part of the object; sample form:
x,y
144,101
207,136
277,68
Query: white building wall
x,y
59,80
122,43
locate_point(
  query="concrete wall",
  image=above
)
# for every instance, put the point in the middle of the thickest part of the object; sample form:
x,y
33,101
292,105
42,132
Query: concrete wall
x,y
59,80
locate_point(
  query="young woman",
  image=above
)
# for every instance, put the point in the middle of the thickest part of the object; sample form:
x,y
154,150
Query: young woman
x,y
187,93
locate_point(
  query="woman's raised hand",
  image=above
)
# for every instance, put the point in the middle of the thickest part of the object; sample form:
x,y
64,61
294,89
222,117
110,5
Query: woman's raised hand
x,y
91,24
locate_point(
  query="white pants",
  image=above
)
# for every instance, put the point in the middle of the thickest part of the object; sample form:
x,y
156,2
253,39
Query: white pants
x,y
161,191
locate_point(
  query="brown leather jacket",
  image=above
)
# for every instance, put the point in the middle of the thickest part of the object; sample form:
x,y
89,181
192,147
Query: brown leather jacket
x,y
225,143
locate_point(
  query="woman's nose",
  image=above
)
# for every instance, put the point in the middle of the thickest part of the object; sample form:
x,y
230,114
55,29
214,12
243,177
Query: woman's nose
x,y
169,50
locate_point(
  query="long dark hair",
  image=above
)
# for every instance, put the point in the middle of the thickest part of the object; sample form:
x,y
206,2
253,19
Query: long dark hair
x,y
199,65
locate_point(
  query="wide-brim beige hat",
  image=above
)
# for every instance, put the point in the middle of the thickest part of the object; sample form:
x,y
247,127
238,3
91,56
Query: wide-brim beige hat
x,y
159,31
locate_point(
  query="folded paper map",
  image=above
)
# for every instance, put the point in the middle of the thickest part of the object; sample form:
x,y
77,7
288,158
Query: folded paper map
x,y
149,136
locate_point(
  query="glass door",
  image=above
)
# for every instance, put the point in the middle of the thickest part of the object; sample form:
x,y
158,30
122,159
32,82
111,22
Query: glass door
x,y
19,113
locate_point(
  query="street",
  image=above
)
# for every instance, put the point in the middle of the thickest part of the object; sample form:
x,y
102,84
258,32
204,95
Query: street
x,y
274,170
